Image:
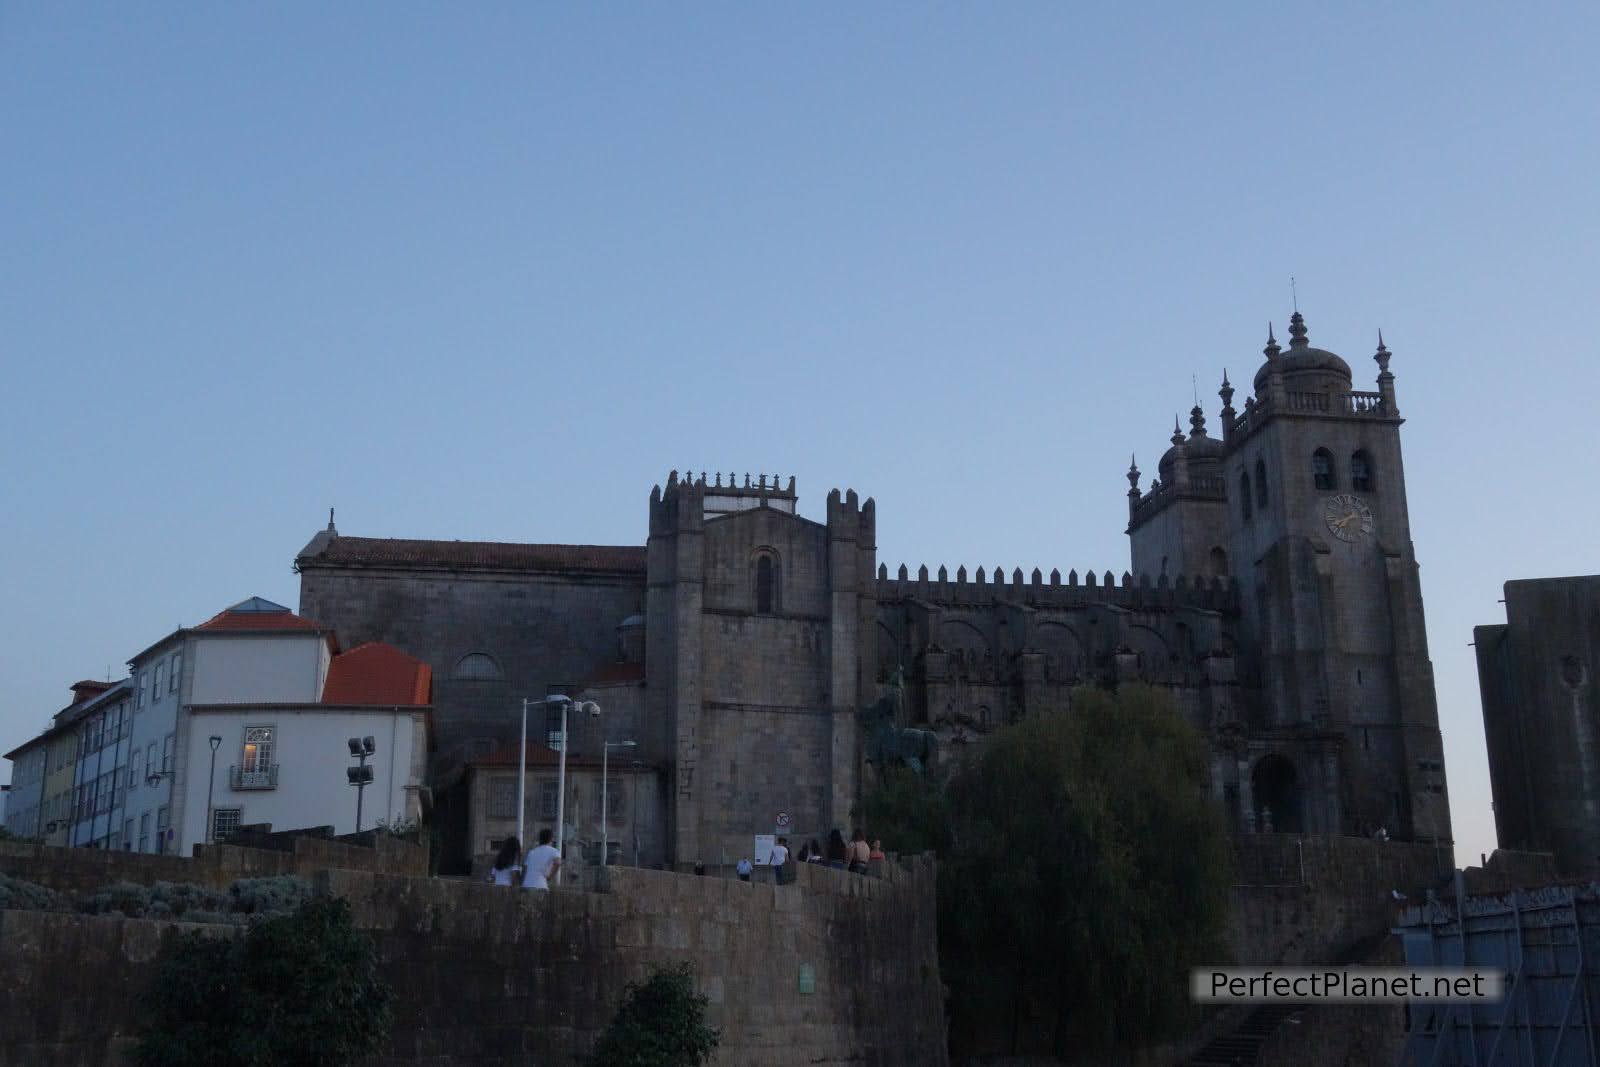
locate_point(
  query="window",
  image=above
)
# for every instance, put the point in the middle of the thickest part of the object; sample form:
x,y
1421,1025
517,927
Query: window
x,y
477,667
1261,483
616,800
1361,473
150,759
177,672
136,769
138,700
166,752
127,835
1244,493
224,823
144,832
502,798
1219,562
1322,469
766,583
162,820
160,676
258,749
548,795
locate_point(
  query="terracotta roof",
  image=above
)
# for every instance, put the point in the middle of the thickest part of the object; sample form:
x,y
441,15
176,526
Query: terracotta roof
x,y
375,673
258,614
486,555
616,674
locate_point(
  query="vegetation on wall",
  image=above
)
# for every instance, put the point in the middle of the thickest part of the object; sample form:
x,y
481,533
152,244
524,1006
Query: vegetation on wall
x,y
1082,870
660,1023
297,988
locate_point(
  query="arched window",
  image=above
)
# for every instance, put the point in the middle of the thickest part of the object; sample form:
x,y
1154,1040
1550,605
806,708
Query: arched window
x,y
1219,562
1361,472
765,580
1261,483
477,667
1322,469
1244,493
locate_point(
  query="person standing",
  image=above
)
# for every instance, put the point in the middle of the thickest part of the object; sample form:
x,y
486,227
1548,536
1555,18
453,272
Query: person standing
x,y
506,863
743,868
778,860
543,863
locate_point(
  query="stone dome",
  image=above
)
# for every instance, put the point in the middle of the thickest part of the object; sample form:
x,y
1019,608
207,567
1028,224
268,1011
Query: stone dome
x,y
1304,369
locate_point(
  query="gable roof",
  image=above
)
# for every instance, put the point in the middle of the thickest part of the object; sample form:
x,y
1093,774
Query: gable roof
x,y
409,553
376,673
256,614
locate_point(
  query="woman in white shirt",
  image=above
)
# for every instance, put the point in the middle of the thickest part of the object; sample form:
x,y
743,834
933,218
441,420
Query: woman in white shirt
x,y
505,863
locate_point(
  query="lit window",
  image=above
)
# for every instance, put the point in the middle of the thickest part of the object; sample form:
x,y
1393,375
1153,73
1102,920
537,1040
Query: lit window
x,y
258,746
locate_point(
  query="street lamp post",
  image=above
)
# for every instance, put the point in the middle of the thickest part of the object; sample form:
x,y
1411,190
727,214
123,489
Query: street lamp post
x,y
211,788
605,797
592,709
360,776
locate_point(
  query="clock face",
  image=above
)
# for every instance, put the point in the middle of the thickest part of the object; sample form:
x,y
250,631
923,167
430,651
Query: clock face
x,y
1347,516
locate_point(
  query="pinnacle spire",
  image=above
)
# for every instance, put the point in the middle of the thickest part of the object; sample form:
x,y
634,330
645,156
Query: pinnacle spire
x,y
1177,433
1297,331
1272,349
1381,357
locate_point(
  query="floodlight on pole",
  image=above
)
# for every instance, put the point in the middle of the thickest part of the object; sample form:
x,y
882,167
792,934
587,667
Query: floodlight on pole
x,y
361,775
211,785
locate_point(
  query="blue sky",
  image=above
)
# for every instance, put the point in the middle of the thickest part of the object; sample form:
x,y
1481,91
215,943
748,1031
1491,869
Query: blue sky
x,y
490,273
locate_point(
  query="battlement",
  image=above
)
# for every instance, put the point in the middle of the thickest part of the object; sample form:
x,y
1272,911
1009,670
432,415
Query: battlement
x,y
1141,593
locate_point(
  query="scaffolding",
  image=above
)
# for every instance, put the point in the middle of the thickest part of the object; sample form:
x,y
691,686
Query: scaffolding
x,y
1547,941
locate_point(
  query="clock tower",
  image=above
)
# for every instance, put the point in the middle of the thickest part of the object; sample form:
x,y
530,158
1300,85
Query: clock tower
x,y
1303,501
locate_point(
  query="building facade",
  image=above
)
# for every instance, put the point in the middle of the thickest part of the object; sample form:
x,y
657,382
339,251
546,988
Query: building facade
x,y
1541,719
1273,591
101,729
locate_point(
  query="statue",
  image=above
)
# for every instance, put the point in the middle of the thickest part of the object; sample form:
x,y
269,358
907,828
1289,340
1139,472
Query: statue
x,y
888,744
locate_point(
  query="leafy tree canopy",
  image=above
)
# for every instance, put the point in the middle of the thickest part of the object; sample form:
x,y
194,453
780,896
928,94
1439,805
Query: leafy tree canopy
x,y
1083,869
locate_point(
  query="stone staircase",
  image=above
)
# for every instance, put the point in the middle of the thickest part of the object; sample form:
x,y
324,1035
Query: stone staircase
x,y
1242,1045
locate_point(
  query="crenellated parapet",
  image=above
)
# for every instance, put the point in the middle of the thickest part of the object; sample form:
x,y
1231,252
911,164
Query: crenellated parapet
x,y
1038,591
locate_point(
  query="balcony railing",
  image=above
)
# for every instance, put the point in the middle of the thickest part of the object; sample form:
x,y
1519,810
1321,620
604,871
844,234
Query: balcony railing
x,y
263,776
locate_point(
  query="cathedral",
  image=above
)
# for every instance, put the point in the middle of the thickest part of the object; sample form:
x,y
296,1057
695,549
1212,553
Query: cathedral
x,y
1273,591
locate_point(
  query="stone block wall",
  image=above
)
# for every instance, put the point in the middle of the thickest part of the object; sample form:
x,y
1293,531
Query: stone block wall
x,y
835,968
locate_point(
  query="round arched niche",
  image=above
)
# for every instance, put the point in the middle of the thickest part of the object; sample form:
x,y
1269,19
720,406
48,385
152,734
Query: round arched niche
x,y
1276,788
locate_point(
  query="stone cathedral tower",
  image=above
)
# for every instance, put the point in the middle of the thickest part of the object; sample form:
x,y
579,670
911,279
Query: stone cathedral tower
x,y
1302,501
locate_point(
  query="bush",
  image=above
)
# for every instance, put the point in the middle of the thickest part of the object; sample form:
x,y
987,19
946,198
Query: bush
x,y
660,1023
26,896
301,988
256,896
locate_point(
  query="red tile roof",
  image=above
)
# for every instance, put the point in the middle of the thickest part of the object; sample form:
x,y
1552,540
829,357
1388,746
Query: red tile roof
x,y
616,674
480,555
375,673
258,620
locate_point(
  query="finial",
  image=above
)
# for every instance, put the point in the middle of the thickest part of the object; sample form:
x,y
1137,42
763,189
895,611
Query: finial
x,y
1197,420
1177,434
1226,392
1382,355
1297,331
1194,385
1272,349
330,518
1133,476
1294,293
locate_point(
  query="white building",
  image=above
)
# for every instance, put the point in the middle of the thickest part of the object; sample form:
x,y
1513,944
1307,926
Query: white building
x,y
103,725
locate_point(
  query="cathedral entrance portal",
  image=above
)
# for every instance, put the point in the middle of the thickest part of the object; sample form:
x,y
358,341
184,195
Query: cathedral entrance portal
x,y
1276,790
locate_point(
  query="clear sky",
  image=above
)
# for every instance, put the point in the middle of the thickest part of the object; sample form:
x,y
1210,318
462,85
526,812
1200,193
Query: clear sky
x,y
488,272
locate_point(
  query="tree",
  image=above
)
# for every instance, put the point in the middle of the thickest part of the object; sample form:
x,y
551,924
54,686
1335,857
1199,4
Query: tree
x,y
1083,870
301,988
660,1023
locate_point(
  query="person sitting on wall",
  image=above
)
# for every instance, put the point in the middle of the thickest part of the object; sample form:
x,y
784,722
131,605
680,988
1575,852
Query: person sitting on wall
x,y
859,852
543,863
877,850
506,863
838,856
743,868
811,852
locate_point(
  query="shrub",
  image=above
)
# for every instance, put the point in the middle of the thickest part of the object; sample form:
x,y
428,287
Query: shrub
x,y
124,897
27,896
661,1023
300,988
256,896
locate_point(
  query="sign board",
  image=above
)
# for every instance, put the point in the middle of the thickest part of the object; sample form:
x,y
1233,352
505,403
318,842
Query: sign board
x,y
763,853
808,978
783,824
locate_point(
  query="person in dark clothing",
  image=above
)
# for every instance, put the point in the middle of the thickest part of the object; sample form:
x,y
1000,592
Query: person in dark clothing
x,y
837,854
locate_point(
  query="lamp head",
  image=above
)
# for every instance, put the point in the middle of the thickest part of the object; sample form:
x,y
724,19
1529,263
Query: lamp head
x,y
215,742
590,708
355,746
368,746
